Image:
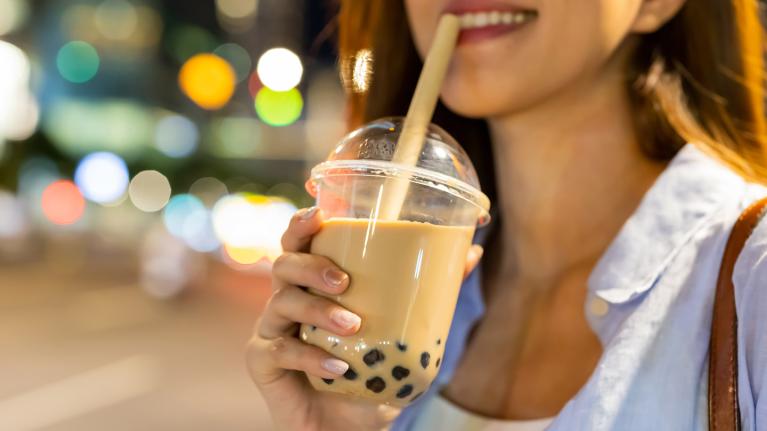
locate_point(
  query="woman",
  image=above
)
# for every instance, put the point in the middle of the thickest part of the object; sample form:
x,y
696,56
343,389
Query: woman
x,y
619,142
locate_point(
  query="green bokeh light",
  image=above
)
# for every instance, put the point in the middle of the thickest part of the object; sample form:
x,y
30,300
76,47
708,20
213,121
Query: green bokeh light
x,y
78,62
279,108
185,41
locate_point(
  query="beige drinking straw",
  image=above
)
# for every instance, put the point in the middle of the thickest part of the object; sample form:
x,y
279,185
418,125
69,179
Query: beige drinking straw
x,y
420,112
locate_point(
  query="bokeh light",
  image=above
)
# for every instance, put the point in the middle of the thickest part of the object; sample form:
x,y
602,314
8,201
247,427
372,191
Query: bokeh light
x,y
198,233
209,190
78,62
208,80
13,14
237,57
176,136
279,108
254,84
246,255
184,41
237,9
149,191
251,224
78,127
116,19
102,177
186,218
19,111
62,203
280,69
363,68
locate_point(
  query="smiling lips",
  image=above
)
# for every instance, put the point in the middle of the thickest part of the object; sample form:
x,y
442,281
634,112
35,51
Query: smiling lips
x,y
481,25
471,20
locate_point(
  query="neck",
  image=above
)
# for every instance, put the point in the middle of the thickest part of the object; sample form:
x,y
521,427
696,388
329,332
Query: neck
x,y
570,173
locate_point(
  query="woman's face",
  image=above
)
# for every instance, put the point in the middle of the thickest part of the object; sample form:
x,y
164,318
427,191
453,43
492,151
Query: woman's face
x,y
513,54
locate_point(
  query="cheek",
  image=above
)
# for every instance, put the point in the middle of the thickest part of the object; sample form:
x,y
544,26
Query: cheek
x,y
422,16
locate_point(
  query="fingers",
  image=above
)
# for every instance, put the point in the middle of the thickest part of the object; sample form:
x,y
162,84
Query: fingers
x,y
472,259
268,360
291,305
306,270
303,225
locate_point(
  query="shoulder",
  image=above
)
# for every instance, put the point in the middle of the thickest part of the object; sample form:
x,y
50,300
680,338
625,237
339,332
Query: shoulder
x,y
751,267
750,279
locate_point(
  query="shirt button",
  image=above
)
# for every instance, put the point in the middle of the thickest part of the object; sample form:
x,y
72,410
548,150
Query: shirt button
x,y
599,307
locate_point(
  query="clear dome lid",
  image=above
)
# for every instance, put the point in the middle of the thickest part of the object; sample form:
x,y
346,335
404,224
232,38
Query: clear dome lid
x,y
442,163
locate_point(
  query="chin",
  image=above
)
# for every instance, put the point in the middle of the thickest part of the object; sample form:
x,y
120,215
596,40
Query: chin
x,y
472,104
464,102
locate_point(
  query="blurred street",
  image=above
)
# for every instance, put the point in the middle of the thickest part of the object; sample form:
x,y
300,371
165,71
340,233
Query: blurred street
x,y
90,350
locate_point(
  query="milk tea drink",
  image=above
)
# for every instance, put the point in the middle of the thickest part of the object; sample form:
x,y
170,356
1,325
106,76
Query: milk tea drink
x,y
405,277
405,268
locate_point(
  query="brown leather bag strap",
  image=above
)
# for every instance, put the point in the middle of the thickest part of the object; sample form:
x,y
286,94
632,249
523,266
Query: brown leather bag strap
x,y
723,407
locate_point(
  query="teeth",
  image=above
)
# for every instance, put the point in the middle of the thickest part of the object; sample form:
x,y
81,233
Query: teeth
x,y
484,19
495,17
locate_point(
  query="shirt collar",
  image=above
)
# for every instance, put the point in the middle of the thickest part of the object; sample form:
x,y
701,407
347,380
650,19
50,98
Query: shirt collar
x,y
689,190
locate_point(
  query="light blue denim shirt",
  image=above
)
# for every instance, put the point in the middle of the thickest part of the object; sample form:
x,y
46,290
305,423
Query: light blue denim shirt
x,y
650,302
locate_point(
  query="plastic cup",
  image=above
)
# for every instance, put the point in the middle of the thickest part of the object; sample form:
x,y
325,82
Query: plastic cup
x,y
405,274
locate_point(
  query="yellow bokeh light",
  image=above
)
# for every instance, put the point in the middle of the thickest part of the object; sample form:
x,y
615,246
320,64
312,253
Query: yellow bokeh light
x,y
249,255
208,80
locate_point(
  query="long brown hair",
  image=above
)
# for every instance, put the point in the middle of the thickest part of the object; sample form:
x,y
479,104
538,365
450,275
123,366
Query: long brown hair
x,y
699,78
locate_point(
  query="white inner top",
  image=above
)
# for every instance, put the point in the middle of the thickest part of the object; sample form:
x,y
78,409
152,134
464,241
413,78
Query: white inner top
x,y
441,414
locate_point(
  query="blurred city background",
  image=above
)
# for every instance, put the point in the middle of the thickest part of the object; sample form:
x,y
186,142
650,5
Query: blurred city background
x,y
151,154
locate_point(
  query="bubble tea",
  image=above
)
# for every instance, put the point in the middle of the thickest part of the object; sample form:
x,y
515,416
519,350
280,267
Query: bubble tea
x,y
405,273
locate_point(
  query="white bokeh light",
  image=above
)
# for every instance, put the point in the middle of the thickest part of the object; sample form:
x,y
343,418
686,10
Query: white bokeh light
x,y
149,191
280,69
13,13
240,222
19,112
102,177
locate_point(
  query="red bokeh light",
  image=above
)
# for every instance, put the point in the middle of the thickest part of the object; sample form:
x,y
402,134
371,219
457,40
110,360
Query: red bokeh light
x,y
254,84
62,202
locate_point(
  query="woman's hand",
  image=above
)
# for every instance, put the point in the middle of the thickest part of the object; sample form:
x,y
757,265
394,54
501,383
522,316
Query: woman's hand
x,y
276,357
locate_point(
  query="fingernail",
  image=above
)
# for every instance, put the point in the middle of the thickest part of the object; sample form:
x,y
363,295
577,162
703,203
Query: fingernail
x,y
345,319
335,366
308,213
334,277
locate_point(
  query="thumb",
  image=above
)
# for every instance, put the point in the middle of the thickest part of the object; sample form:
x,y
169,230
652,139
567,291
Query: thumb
x,y
472,259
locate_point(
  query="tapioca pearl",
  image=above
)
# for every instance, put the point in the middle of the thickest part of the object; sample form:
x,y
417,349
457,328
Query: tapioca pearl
x,y
399,372
313,328
372,357
439,341
328,381
376,384
350,374
436,364
425,356
401,346
405,391
335,344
